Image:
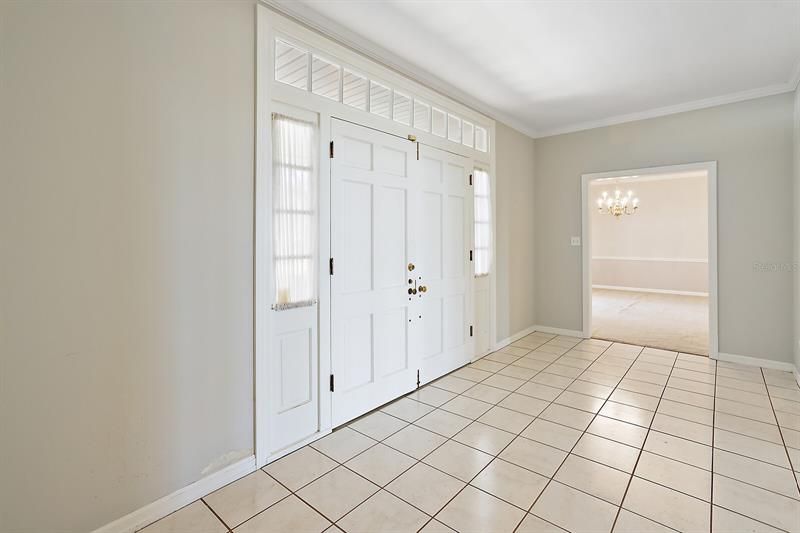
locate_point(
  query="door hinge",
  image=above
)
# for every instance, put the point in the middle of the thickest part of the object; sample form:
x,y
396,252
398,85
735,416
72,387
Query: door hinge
x,y
470,331
330,153
470,178
330,266
331,382
470,255
417,151
417,378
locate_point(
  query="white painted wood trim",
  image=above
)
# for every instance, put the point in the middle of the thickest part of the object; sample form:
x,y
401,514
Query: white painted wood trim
x,y
262,241
321,24
756,361
694,105
561,331
271,23
331,29
180,498
652,259
586,234
655,291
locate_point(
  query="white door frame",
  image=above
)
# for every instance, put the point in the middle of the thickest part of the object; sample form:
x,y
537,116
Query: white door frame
x,y
271,24
710,167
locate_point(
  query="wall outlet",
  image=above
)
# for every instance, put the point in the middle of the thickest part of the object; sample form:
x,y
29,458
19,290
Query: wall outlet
x,y
575,241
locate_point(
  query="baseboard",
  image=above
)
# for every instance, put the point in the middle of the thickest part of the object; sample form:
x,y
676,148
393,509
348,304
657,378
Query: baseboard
x,y
560,331
655,291
180,498
514,338
756,361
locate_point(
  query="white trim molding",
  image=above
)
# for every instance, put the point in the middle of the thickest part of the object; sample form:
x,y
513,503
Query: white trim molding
x,y
710,168
180,498
756,361
654,291
313,19
562,331
653,259
694,105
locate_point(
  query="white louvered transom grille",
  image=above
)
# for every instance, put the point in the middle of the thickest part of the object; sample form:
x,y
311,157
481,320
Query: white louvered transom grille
x,y
325,78
355,90
294,65
402,109
291,65
380,99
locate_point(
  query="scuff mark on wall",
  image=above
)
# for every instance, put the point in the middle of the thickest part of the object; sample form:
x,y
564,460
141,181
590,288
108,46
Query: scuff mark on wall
x,y
226,459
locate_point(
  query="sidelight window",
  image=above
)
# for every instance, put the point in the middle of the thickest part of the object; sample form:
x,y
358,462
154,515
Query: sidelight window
x,y
294,189
483,222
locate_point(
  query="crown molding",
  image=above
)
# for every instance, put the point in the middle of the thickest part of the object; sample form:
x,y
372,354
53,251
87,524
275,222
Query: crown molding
x,y
732,98
317,22
312,19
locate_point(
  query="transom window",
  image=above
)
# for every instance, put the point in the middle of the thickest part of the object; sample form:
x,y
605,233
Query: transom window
x,y
307,71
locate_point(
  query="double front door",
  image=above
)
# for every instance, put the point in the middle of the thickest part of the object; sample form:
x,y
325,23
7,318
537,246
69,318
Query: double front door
x,y
401,234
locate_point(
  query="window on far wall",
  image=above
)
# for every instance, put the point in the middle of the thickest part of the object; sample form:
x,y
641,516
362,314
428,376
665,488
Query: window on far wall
x,y
483,222
294,201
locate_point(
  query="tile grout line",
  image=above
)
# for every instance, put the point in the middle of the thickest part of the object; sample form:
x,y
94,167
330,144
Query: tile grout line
x,y
534,418
713,450
595,415
217,515
641,450
780,432
428,454
407,423
468,484
549,403
433,517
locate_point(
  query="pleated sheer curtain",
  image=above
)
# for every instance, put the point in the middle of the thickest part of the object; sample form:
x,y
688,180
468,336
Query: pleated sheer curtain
x,y
294,161
483,222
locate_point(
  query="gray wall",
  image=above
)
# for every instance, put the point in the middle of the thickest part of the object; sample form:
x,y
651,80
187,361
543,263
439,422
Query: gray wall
x,y
126,293
752,143
516,308
126,232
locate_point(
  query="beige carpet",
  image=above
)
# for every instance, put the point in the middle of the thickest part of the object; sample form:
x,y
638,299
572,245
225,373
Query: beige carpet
x,y
667,321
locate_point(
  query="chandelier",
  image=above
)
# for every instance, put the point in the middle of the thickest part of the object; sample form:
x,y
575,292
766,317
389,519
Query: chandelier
x,y
617,205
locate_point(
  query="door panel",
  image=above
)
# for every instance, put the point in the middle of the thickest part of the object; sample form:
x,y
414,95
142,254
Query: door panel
x,y
373,318
444,266
294,389
390,320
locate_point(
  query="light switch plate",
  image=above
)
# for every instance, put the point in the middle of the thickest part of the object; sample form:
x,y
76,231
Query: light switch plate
x,y
575,241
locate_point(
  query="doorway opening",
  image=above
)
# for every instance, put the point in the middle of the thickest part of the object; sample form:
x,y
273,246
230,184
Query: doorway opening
x,y
649,260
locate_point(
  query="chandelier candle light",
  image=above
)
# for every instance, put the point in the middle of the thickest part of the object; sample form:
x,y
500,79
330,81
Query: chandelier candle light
x,y
617,205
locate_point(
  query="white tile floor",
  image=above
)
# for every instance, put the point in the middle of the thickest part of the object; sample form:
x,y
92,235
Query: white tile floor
x,y
548,434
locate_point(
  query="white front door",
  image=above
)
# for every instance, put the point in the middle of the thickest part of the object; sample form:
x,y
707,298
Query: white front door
x,y
444,262
401,233
374,320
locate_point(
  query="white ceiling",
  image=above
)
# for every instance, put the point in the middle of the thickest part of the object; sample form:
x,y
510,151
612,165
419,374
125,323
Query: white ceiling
x,y
552,66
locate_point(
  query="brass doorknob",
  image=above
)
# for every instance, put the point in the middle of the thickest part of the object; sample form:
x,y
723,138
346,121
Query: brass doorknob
x,y
423,288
